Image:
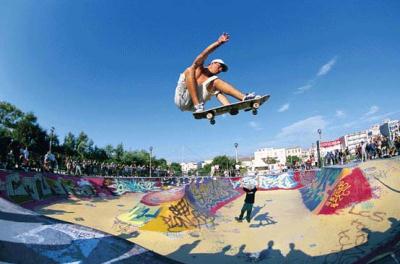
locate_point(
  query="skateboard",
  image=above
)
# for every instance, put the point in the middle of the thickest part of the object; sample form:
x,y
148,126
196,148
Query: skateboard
x,y
233,109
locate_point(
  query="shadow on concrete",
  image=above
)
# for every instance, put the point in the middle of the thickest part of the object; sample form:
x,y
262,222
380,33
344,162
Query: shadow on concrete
x,y
23,218
262,220
95,250
385,244
53,212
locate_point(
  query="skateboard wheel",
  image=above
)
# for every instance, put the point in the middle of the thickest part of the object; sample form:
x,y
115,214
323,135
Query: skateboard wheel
x,y
209,116
234,112
256,105
212,122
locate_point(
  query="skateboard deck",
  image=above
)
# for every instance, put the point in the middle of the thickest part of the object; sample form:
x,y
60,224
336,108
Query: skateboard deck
x,y
232,109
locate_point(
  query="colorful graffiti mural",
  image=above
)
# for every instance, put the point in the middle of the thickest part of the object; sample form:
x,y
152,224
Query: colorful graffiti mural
x,y
336,188
159,197
356,206
286,180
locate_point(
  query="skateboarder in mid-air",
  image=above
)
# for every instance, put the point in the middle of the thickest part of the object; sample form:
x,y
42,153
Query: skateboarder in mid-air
x,y
197,84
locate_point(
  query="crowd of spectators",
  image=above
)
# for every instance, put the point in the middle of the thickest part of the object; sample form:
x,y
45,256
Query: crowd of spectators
x,y
375,148
378,147
337,157
70,166
92,167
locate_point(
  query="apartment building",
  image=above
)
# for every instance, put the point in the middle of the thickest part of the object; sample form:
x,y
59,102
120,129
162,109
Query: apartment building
x,y
262,158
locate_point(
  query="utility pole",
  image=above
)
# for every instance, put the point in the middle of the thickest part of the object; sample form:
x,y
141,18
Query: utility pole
x,y
51,137
319,148
151,150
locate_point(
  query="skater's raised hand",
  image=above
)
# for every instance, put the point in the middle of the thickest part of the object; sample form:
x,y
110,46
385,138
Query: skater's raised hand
x,y
224,38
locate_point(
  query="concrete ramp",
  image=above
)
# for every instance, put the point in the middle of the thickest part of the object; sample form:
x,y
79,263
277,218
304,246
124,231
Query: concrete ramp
x,y
333,215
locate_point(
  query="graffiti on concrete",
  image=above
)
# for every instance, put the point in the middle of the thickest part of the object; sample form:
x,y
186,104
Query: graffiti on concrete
x,y
139,215
73,243
22,189
343,189
157,198
313,194
352,187
284,180
182,216
211,194
373,216
121,186
280,181
306,177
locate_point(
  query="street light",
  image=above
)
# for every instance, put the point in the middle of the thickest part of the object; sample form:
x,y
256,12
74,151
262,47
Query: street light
x,y
51,137
151,149
236,151
319,148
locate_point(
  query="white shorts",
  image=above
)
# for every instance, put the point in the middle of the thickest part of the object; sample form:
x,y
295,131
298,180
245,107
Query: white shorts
x,y
182,96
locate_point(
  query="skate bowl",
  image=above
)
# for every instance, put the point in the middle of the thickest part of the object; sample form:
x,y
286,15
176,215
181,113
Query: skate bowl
x,y
346,214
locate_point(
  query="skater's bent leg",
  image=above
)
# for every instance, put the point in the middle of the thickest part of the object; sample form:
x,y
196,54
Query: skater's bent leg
x,y
191,84
228,89
222,99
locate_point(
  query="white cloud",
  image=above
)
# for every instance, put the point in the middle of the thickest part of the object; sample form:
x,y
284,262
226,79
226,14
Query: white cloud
x,y
372,110
284,108
327,67
381,117
300,133
340,113
303,88
303,127
255,125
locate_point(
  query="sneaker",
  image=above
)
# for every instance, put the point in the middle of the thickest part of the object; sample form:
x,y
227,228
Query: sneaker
x,y
250,96
199,108
248,220
238,219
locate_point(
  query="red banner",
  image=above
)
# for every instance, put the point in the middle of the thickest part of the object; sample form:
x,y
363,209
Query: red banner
x,y
328,144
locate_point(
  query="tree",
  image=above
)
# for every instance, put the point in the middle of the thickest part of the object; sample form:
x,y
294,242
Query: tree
x,y
82,145
270,160
9,115
109,149
21,130
119,152
224,163
70,145
98,154
161,164
292,160
176,168
205,170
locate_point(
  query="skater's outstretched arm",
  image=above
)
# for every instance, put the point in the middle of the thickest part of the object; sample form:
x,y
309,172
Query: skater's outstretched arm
x,y
199,61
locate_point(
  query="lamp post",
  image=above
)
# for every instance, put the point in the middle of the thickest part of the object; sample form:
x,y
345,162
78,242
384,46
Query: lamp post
x,y
319,148
51,137
151,149
236,152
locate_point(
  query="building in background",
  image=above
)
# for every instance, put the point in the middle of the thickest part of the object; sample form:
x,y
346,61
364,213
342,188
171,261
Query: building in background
x,y
269,159
389,129
189,166
352,140
374,131
330,146
295,151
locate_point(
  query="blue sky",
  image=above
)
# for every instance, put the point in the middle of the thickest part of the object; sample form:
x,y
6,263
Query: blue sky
x,y
109,68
